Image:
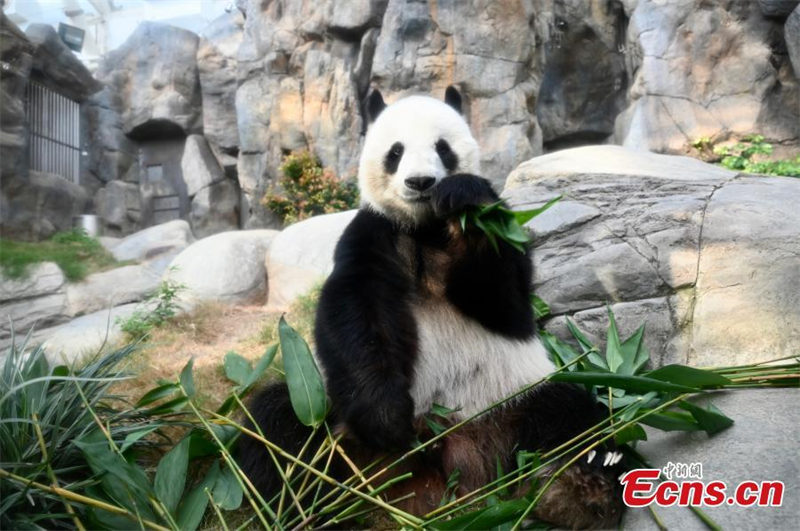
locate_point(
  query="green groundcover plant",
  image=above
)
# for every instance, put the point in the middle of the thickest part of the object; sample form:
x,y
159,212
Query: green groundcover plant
x,y
76,253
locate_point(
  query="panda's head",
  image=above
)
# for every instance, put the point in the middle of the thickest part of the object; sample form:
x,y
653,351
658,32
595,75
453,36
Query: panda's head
x,y
410,146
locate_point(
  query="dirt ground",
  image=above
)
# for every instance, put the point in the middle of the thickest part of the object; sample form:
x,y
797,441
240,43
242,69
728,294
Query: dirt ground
x,y
207,334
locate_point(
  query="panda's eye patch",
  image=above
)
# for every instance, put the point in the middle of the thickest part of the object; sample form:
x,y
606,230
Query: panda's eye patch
x,y
446,154
392,160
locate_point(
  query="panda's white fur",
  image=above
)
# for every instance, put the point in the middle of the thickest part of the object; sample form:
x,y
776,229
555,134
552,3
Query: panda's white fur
x,y
460,364
463,366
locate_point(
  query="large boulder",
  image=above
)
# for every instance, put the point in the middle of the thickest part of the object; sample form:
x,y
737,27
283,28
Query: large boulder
x,y
37,299
301,256
225,267
215,209
199,166
706,256
110,153
704,69
169,237
155,72
40,205
106,289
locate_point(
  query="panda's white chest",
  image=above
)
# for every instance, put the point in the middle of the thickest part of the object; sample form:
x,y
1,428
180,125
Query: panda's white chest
x,y
462,365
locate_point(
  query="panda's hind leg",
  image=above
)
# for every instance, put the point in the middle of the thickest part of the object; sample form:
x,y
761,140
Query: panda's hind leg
x,y
588,494
272,410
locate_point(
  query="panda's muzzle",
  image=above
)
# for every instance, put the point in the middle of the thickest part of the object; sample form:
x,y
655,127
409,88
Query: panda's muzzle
x,y
420,184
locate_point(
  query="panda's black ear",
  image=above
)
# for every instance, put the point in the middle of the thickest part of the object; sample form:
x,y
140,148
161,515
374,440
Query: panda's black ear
x,y
453,98
374,105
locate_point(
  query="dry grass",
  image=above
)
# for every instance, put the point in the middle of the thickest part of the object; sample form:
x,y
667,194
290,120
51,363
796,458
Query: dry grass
x,y
209,332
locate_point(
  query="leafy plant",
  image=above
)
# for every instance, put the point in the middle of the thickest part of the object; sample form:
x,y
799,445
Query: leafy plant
x,y
44,411
156,311
498,221
306,189
74,251
744,156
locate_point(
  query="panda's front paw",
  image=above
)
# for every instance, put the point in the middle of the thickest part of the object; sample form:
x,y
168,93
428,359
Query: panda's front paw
x,y
382,426
456,193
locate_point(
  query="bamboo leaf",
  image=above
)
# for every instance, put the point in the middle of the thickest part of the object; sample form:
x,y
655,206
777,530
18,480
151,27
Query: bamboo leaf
x,y
237,369
540,308
524,216
306,390
632,350
683,375
487,517
634,432
637,384
710,420
261,366
227,491
671,421
613,348
170,477
187,379
584,342
156,394
193,506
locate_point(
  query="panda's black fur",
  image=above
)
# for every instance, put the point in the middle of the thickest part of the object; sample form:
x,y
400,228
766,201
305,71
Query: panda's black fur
x,y
367,343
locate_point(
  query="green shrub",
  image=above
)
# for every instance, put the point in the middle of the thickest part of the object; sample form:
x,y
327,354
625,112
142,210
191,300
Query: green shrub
x,y
306,189
741,156
157,310
74,251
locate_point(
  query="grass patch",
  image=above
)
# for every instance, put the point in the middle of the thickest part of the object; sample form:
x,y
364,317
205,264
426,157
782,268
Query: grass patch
x,y
74,251
302,314
751,155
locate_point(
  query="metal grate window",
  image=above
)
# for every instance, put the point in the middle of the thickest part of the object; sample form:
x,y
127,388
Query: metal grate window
x,y
54,132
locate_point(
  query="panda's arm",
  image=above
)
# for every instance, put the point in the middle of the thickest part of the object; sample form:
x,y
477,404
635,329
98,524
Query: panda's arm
x,y
366,335
493,286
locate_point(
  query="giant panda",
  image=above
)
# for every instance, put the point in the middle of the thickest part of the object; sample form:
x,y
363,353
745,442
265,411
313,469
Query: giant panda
x,y
419,312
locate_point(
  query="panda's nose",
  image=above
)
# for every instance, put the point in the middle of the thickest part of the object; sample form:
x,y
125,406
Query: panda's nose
x,y
420,184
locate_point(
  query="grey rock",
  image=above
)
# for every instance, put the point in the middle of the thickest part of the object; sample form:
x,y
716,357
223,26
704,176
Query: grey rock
x,y
215,208
111,288
217,65
199,165
760,446
707,257
777,8
153,241
61,68
111,154
700,70
791,32
36,207
16,51
226,267
85,336
20,315
301,256
155,73
584,83
118,204
40,279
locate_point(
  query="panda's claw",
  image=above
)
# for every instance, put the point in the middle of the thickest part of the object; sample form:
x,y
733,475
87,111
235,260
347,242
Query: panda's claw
x,y
590,456
609,457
